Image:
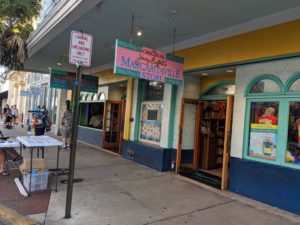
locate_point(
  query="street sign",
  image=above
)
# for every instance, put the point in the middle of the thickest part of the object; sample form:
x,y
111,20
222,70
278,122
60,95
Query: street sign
x,y
80,52
36,90
66,80
24,93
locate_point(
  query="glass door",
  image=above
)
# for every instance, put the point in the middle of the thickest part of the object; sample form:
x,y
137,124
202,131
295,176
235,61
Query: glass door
x,y
188,135
112,125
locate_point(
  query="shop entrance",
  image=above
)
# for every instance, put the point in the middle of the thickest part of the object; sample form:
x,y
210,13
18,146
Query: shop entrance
x,y
204,140
112,125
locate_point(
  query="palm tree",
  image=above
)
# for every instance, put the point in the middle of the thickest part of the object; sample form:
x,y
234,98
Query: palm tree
x,y
16,18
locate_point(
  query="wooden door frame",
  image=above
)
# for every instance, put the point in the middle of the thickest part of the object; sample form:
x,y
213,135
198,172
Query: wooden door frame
x,y
195,163
116,145
227,139
122,120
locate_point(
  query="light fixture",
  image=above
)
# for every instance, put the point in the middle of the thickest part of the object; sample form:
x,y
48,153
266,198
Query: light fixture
x,y
139,33
229,71
49,68
204,74
59,64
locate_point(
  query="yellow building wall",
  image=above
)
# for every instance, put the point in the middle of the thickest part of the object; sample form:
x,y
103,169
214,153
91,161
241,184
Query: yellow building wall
x,y
208,81
277,40
108,77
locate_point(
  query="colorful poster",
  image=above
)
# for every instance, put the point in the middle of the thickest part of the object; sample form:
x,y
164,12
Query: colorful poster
x,y
145,63
263,144
151,122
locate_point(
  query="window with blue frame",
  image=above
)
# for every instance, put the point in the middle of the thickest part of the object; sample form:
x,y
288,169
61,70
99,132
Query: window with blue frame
x,y
272,128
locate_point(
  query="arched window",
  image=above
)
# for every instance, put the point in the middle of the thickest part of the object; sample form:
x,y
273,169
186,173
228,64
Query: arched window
x,y
101,96
292,86
89,97
264,85
219,90
95,97
272,116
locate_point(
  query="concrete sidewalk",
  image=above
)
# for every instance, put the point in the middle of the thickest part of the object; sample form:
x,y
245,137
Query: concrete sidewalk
x,y
116,191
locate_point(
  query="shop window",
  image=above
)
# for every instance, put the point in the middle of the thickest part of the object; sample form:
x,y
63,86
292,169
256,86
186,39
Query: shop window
x,y
153,90
151,122
91,114
263,133
293,143
265,86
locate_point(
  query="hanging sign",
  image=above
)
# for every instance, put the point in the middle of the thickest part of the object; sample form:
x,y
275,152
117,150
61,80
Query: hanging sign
x,y
146,63
80,51
66,80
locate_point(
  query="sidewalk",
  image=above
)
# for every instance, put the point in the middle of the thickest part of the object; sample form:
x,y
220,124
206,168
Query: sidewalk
x,y
116,191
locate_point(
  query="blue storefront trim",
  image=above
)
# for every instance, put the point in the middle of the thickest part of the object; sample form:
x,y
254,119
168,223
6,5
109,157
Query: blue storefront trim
x,y
90,136
275,185
153,156
149,155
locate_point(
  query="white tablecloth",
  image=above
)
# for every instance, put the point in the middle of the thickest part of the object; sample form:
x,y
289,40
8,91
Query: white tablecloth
x,y
10,144
39,141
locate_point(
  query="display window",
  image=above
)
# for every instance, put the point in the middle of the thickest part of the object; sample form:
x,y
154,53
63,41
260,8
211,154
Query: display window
x,y
151,122
293,143
91,115
263,137
151,112
272,126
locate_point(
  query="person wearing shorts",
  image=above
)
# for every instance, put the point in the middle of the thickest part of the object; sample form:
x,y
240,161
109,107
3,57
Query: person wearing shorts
x,y
66,122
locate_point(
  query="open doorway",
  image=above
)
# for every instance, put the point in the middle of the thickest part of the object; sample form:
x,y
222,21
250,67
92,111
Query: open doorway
x,y
205,124
114,113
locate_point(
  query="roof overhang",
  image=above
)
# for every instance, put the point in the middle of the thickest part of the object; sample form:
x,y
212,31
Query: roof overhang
x,y
196,23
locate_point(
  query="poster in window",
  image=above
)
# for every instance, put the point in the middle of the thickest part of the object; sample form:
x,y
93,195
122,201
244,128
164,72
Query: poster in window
x,y
151,122
263,144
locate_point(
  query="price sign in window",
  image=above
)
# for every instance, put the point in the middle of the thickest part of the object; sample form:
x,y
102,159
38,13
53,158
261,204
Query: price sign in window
x,y
293,144
263,138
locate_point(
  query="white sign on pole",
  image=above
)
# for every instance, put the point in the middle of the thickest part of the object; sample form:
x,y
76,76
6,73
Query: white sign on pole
x,y
80,51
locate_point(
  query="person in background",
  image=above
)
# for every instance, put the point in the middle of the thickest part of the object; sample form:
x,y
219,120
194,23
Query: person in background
x,y
1,112
66,122
8,119
96,121
3,163
14,112
6,107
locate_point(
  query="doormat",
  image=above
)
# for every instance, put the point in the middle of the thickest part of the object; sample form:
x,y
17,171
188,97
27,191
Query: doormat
x,y
11,197
206,178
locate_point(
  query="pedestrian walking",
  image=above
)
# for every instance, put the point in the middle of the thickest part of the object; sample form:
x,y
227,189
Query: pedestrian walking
x,y
66,122
15,113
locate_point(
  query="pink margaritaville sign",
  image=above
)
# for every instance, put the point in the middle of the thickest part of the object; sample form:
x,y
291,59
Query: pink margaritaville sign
x,y
145,63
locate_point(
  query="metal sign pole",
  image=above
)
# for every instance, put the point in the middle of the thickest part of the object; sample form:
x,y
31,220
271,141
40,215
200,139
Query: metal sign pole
x,y
73,142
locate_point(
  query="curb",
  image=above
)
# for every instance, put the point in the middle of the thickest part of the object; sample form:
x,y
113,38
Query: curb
x,y
14,218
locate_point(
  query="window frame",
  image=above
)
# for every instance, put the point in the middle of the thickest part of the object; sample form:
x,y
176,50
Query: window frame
x,y
283,97
261,78
140,127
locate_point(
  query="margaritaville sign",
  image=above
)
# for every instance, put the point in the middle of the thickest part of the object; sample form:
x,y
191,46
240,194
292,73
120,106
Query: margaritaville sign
x,y
145,63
